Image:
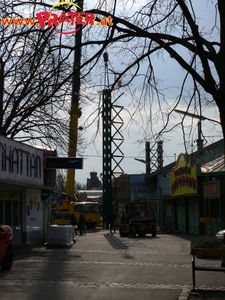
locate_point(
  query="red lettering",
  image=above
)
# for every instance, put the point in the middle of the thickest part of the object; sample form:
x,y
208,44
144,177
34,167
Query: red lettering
x,y
103,22
63,18
89,18
43,17
79,18
53,20
18,21
30,21
7,21
109,21
72,15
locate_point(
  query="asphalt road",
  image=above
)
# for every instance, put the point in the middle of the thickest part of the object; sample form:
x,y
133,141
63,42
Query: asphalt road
x,y
105,266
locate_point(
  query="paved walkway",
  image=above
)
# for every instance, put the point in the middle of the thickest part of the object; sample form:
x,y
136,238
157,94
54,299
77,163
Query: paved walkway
x,y
104,266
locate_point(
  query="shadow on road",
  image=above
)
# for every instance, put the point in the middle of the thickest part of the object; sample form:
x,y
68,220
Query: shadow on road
x,y
114,241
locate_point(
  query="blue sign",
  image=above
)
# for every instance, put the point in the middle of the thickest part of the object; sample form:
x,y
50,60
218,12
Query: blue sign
x,y
139,188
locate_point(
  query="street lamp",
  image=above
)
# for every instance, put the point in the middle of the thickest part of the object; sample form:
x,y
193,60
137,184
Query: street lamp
x,y
201,118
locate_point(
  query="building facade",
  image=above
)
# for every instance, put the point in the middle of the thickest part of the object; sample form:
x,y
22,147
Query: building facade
x,y
21,185
178,191
93,183
184,205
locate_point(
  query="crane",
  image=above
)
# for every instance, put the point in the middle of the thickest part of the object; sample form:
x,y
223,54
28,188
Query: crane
x,y
74,111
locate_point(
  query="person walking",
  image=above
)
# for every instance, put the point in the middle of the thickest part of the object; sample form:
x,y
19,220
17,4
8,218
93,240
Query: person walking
x,y
112,222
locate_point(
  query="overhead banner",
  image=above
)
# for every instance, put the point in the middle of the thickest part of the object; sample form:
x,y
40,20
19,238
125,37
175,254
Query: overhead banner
x,y
183,179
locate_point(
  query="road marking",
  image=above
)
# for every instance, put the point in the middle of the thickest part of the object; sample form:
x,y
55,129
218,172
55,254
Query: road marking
x,y
131,263
84,284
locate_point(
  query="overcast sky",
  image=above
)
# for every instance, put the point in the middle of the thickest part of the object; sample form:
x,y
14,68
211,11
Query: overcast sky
x,y
170,74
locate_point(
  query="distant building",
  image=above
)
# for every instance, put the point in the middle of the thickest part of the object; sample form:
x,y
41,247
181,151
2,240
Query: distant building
x,y
93,183
90,195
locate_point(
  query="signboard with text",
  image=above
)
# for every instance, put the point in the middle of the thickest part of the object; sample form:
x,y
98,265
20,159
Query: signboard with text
x,y
63,163
20,163
183,179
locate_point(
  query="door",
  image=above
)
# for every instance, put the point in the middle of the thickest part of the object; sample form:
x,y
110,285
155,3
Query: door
x,y
193,215
181,221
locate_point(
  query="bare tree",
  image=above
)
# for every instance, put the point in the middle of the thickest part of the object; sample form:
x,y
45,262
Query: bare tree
x,y
170,30
162,30
80,186
35,81
165,31
61,181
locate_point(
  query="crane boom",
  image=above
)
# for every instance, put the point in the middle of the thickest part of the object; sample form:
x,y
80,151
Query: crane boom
x,y
74,111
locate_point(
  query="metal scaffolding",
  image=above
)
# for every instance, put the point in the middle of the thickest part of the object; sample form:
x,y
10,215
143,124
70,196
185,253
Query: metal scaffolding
x,y
154,157
107,154
112,141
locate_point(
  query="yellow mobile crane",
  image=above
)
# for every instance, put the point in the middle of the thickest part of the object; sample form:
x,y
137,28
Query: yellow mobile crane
x,y
70,203
75,112
91,210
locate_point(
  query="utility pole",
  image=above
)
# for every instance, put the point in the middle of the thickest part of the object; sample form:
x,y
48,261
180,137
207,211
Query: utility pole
x,y
147,156
74,111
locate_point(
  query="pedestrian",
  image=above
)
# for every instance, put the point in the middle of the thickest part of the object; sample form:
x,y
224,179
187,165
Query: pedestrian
x,y
112,222
82,223
73,222
123,218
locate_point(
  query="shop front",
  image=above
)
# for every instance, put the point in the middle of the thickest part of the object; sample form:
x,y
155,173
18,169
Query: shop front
x,y
182,207
11,209
211,208
21,181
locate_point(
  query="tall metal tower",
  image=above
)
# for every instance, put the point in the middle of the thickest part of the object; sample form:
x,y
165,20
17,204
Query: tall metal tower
x,y
153,157
112,140
107,155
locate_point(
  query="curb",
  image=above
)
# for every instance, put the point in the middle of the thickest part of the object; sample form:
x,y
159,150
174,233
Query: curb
x,y
184,295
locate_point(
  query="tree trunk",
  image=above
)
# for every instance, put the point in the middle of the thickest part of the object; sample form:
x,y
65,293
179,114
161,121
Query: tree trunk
x,y
220,66
1,93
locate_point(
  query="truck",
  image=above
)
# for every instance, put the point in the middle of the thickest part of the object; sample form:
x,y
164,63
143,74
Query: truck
x,y
6,243
139,219
91,210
